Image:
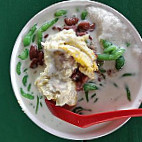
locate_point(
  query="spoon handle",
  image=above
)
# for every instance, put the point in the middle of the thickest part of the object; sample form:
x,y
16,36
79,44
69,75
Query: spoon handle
x,y
89,120
84,121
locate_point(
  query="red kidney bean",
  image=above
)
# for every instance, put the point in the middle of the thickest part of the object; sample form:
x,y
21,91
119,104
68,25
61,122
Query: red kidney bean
x,y
81,33
92,27
84,78
57,28
33,52
79,84
79,79
34,63
99,79
70,27
75,75
109,72
90,37
71,21
83,26
46,35
41,57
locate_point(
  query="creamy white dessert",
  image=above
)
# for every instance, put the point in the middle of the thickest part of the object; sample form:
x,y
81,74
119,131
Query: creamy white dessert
x,y
65,51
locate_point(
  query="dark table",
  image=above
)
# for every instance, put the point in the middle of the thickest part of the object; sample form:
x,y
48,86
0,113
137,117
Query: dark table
x,y
15,126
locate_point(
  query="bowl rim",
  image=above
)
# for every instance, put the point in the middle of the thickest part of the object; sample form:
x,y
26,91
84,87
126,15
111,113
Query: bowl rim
x,y
13,80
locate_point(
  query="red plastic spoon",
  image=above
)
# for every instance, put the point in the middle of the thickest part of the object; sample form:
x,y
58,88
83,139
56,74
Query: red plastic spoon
x,y
84,121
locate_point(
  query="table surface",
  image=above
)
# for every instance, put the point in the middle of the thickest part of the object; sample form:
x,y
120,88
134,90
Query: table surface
x,y
14,124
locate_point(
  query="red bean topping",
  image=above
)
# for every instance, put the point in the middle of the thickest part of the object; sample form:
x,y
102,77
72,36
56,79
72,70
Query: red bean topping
x,y
41,57
36,56
83,26
70,27
79,79
79,84
76,75
57,28
81,33
92,27
90,37
34,63
99,79
109,72
71,21
33,52
84,79
46,35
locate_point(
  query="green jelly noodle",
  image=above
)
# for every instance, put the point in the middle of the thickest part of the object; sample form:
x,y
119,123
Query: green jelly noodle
x,y
84,15
29,87
18,68
24,80
26,95
80,109
39,39
128,74
119,63
128,92
115,85
61,12
24,55
37,105
93,95
28,37
25,70
105,43
41,104
128,44
42,29
95,100
88,87
33,39
111,51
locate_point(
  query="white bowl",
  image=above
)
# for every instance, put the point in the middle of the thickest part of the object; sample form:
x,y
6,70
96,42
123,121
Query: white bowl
x,y
44,119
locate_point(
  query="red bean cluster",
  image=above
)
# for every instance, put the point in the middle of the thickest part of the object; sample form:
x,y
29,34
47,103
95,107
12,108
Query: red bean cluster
x,y
36,57
79,79
71,21
81,28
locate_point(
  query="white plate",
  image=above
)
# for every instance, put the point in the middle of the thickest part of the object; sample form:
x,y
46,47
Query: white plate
x,y
44,119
